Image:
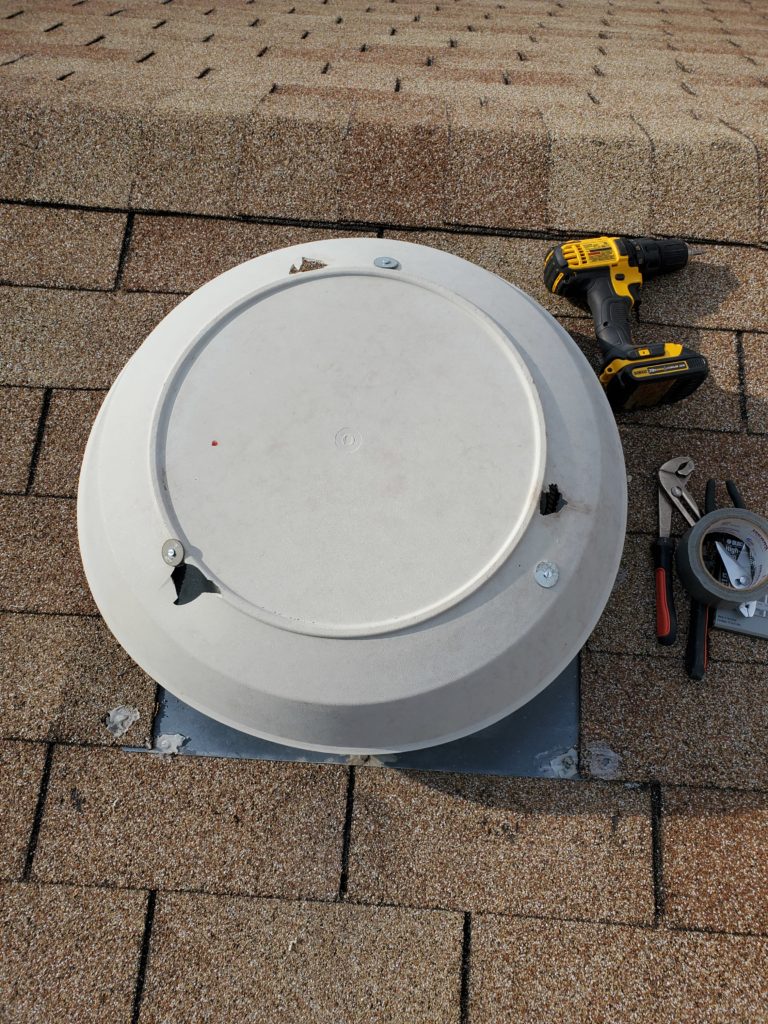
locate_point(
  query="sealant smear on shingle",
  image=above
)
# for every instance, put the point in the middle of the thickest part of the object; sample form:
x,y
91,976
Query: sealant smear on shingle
x,y
39,809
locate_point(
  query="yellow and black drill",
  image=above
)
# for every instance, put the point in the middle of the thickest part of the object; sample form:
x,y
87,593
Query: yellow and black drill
x,y
606,275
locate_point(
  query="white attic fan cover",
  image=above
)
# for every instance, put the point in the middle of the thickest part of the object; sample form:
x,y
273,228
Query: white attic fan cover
x,y
310,504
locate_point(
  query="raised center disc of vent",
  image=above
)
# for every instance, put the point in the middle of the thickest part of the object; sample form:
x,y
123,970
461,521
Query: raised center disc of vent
x,y
349,452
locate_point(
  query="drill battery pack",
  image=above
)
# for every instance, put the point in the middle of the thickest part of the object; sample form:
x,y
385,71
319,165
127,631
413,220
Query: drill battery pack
x,y
652,375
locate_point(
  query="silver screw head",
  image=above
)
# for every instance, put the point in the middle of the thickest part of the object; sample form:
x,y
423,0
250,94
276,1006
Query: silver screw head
x,y
173,552
386,263
546,574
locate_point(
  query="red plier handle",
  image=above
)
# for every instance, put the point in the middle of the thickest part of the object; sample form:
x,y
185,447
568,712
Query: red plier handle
x,y
666,616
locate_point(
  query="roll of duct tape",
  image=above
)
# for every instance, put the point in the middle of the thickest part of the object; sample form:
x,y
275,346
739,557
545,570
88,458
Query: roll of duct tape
x,y
733,529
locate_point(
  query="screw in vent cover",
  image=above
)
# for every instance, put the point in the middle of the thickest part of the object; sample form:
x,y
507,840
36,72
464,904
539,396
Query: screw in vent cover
x,y
546,574
386,263
173,552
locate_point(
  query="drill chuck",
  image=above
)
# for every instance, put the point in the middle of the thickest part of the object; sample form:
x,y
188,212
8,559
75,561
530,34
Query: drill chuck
x,y
655,257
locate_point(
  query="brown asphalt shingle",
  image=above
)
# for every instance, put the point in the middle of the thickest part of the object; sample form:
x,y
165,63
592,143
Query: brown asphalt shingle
x,y
61,674
715,869
538,846
21,768
261,828
539,118
394,161
70,248
216,959
497,167
67,426
592,158
73,339
663,725
19,416
40,568
716,455
178,254
756,373
68,953
290,157
530,971
725,288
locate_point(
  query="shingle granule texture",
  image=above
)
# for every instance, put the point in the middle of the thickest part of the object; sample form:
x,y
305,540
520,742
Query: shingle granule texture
x,y
262,828
715,869
61,674
522,846
66,248
69,953
67,426
756,373
179,254
715,454
19,416
533,971
356,113
291,154
216,959
663,725
21,767
73,339
40,568
725,288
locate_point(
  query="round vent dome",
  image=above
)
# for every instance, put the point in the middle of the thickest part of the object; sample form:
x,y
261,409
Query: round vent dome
x,y
356,496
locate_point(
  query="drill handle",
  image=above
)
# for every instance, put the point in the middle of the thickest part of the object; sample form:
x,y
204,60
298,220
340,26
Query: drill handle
x,y
610,313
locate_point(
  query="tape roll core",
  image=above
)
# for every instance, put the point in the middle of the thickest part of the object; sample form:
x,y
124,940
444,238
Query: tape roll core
x,y
741,524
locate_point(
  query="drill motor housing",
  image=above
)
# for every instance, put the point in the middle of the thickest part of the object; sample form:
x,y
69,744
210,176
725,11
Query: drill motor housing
x,y
606,275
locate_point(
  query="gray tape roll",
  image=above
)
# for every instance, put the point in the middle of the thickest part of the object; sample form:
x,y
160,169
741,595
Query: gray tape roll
x,y
741,524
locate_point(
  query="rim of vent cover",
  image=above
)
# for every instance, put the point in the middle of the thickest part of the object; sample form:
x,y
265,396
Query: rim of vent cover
x,y
352,457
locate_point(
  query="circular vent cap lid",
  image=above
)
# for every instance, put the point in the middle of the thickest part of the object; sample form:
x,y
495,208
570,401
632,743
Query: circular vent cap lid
x,y
310,504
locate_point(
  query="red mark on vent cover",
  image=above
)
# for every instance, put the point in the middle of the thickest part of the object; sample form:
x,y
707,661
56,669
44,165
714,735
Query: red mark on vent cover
x,y
214,443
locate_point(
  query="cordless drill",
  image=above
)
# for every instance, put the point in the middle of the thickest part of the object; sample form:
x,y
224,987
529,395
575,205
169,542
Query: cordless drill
x,y
607,275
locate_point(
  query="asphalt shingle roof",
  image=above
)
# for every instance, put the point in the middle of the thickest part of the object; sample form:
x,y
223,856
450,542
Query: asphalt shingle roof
x,y
146,146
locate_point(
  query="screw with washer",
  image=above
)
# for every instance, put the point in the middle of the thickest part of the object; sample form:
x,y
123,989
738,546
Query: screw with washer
x,y
386,263
173,552
546,574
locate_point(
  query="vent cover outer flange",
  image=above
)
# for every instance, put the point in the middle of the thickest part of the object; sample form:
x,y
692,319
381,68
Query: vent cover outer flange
x,y
352,459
